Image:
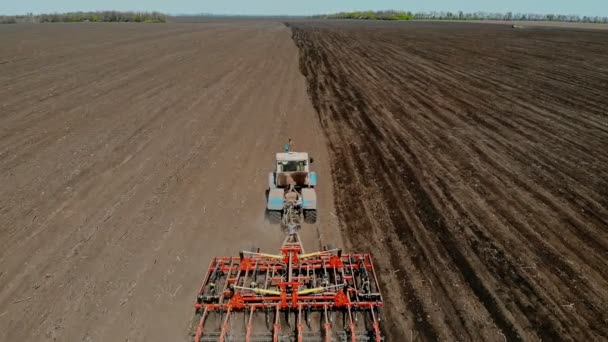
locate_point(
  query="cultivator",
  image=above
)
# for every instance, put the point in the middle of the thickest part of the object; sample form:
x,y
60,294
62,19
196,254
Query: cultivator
x,y
291,296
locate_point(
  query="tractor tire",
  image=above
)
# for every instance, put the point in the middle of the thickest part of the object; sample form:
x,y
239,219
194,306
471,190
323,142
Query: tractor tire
x,y
310,216
274,216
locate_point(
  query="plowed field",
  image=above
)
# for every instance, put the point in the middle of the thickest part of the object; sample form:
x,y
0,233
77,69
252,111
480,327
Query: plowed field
x,y
473,161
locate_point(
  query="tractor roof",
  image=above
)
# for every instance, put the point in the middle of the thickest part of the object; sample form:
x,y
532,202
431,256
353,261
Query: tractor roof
x,y
292,156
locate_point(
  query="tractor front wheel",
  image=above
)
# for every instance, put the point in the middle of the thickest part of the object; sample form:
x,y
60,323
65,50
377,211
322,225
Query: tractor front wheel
x,y
310,216
274,216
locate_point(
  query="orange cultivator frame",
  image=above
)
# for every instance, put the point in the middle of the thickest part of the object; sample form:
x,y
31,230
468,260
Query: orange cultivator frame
x,y
291,296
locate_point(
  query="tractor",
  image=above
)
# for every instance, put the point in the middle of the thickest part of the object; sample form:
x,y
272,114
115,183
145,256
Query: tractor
x,y
290,296
291,189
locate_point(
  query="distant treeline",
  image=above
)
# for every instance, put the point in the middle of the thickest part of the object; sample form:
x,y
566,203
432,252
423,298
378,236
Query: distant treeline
x,y
509,16
74,17
369,15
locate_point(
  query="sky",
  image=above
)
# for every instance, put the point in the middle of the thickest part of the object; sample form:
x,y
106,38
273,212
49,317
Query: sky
x,y
306,7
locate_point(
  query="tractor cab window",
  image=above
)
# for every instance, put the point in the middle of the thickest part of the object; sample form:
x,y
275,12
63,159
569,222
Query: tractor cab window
x,y
292,166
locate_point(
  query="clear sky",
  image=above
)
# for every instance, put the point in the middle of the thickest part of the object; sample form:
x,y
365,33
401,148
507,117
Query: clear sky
x,y
306,7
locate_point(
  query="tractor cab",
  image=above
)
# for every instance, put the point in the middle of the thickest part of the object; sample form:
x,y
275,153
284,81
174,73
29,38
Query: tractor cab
x,y
292,162
292,169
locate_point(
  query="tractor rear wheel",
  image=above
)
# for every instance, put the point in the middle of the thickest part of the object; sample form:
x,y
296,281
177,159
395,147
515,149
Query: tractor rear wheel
x,y
274,216
310,216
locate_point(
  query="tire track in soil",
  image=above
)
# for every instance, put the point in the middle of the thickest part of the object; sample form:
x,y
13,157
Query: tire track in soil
x,y
476,165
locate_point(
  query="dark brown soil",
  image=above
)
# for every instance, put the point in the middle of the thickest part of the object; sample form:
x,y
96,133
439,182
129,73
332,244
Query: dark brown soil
x,y
473,161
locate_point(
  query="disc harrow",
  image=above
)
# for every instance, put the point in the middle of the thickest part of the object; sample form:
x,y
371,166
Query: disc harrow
x,y
291,296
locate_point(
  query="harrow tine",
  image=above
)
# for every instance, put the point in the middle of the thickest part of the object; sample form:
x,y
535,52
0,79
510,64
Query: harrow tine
x,y
351,326
300,328
267,318
249,326
277,326
327,325
375,327
245,317
199,327
224,330
307,316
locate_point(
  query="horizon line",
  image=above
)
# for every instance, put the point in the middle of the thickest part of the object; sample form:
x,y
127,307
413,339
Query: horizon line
x,y
177,14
